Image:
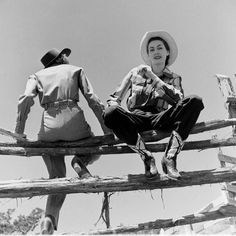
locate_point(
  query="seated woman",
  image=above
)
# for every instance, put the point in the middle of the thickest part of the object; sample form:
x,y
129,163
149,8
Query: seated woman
x,y
156,101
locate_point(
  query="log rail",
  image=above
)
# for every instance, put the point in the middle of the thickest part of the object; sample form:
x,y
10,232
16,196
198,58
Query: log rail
x,y
222,212
30,188
108,145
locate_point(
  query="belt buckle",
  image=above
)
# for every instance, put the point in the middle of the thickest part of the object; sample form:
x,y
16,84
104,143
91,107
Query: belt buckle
x,y
57,105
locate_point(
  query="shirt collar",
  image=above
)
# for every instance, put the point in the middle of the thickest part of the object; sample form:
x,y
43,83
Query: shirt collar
x,y
167,73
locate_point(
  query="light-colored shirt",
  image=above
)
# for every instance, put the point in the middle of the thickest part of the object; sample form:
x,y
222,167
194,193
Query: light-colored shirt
x,y
58,83
144,94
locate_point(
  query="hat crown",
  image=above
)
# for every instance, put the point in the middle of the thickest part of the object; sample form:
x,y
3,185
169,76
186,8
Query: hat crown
x,y
50,56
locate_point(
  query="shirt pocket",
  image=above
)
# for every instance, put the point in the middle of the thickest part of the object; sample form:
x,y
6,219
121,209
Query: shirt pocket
x,y
140,92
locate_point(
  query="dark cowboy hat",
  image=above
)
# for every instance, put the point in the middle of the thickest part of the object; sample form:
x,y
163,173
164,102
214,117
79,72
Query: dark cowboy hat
x,y
52,55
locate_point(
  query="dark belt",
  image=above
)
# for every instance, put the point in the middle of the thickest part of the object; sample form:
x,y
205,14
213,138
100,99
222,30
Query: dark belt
x,y
60,104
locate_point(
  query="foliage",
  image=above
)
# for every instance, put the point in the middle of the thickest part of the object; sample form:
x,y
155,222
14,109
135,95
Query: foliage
x,y
22,224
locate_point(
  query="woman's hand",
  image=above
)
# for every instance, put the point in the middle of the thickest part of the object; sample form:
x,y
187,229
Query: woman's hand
x,y
112,103
20,136
146,71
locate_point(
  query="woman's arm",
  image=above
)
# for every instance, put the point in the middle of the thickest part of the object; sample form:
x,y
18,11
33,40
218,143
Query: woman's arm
x,y
24,104
120,92
93,101
171,93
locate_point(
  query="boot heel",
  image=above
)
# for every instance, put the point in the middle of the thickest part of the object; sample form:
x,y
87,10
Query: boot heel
x,y
77,168
81,170
164,168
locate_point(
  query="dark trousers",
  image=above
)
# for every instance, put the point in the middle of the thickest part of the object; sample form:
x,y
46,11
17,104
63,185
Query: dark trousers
x,y
181,118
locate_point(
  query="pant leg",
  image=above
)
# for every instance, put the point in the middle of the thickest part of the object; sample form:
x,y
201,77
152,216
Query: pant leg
x,y
56,169
124,124
181,117
85,159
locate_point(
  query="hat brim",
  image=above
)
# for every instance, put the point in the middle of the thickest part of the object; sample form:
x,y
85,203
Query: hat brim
x,y
165,36
66,51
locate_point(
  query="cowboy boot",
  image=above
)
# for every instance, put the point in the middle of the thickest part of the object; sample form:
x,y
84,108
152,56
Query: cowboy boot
x,y
168,162
47,226
80,168
146,156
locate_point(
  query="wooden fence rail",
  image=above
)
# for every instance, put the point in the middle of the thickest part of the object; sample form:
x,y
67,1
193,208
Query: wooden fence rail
x,y
117,149
221,212
149,136
108,145
30,188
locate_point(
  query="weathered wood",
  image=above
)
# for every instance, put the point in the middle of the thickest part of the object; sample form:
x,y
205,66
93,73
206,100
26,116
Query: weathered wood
x,y
12,135
227,90
106,210
221,212
29,188
118,149
213,205
226,87
226,158
230,187
149,136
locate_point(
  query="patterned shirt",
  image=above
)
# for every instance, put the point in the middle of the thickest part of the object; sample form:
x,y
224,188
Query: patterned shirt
x,y
145,95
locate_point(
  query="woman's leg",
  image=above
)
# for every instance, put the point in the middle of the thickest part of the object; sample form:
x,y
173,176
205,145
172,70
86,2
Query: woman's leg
x,y
180,119
56,169
79,164
126,125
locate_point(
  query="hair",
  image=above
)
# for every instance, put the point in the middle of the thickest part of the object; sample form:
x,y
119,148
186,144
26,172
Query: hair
x,y
165,44
59,60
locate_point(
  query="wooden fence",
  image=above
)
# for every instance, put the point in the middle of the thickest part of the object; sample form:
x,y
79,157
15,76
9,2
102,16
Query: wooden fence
x,y
109,145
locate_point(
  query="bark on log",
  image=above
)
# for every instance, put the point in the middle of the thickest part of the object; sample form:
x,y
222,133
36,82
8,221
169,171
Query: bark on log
x,y
149,136
30,188
117,149
221,212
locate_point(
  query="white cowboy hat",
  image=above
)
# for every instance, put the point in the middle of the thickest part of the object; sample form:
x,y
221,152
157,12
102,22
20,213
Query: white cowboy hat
x,y
166,37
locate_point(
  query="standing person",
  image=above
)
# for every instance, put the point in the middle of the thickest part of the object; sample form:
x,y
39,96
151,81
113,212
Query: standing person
x,y
58,86
155,101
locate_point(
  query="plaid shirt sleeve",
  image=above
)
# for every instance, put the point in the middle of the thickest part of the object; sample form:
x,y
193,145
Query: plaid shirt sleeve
x,y
172,90
177,83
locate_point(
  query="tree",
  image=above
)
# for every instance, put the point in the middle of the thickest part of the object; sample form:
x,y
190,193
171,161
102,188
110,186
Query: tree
x,y
22,224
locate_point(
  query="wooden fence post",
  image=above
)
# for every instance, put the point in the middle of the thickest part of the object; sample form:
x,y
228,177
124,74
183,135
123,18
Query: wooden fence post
x,y
228,93
228,189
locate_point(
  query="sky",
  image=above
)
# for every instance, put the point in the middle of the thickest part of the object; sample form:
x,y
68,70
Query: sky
x,y
104,37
